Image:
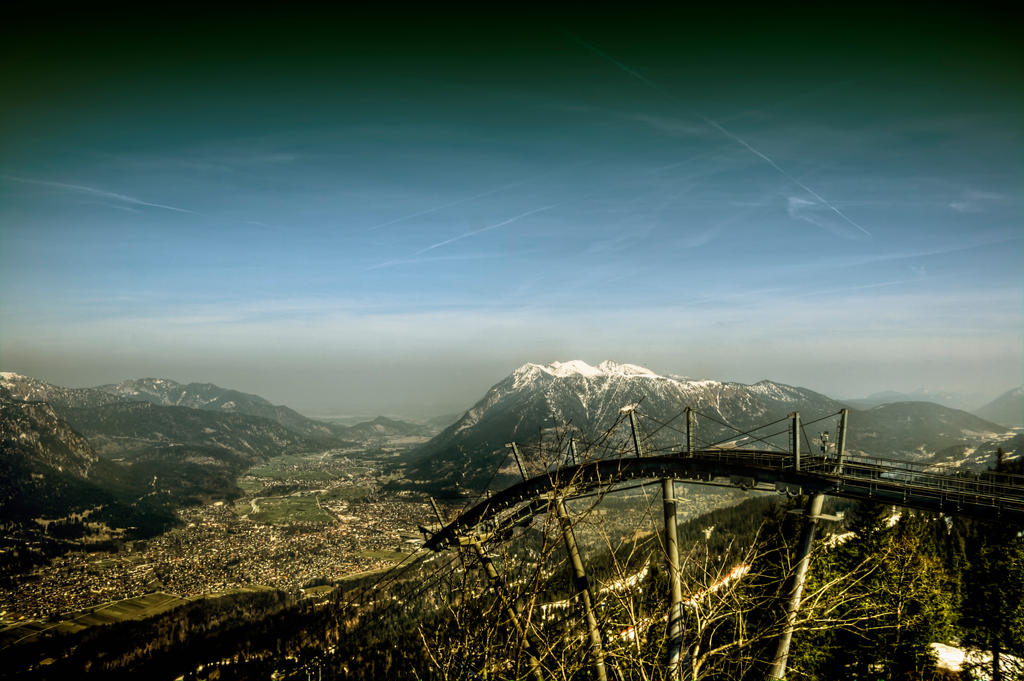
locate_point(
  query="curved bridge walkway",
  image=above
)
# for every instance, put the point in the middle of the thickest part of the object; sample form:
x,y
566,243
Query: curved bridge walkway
x,y
900,483
987,496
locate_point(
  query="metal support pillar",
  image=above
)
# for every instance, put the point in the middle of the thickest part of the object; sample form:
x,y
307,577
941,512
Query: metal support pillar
x,y
442,523
518,458
582,586
691,426
499,586
437,511
636,433
795,434
675,619
841,438
778,670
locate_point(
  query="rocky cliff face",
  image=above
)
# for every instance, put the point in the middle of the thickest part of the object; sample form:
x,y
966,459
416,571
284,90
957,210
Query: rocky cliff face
x,y
32,432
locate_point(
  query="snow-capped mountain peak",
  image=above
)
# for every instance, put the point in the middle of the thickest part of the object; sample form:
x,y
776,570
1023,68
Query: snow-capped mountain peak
x,y
578,367
549,402
537,398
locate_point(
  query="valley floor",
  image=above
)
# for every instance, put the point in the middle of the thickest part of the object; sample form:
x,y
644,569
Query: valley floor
x,y
303,521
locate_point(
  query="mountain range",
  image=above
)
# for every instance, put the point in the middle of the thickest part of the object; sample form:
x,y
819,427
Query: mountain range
x,y
189,452
539,402
965,401
124,456
133,451
56,491
164,392
1007,409
167,393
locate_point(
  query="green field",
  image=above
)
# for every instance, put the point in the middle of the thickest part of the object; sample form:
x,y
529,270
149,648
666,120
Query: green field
x,y
250,485
393,556
285,510
296,467
136,608
346,492
356,576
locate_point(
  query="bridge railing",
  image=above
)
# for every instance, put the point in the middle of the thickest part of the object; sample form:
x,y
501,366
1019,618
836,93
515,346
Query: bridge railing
x,y
957,488
906,477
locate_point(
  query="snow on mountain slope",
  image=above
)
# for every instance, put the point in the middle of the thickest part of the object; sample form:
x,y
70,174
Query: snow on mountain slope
x,y
33,434
168,393
165,393
536,400
28,389
539,397
575,392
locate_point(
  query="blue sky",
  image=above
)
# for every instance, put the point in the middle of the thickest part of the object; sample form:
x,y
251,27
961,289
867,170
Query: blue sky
x,y
348,216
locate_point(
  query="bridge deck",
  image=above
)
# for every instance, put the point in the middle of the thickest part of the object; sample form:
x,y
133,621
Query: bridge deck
x,y
984,496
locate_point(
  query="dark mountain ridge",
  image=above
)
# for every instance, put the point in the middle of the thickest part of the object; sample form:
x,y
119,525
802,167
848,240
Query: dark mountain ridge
x,y
106,467
210,397
57,492
128,427
167,393
28,389
383,427
164,392
550,401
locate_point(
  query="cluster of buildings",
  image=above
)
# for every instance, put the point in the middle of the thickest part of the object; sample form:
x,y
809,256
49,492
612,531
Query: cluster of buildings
x,y
217,549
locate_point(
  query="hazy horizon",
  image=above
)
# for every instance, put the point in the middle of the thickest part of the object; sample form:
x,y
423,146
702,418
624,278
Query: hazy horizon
x,y
460,396
364,214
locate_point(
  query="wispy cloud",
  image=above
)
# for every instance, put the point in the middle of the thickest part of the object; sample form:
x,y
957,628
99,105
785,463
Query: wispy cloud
x,y
467,199
117,206
857,287
617,242
437,258
895,256
449,204
728,133
672,127
496,225
815,213
93,191
831,206
972,201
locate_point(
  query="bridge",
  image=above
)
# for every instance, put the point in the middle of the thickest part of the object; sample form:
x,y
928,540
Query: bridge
x,y
899,483
794,471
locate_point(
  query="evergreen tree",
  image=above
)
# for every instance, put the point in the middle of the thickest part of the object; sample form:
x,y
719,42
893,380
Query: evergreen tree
x,y
915,599
897,599
992,612
859,559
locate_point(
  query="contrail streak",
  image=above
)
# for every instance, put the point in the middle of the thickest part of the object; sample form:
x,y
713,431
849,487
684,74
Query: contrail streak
x,y
860,287
437,258
450,204
467,199
720,128
785,174
97,192
496,225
